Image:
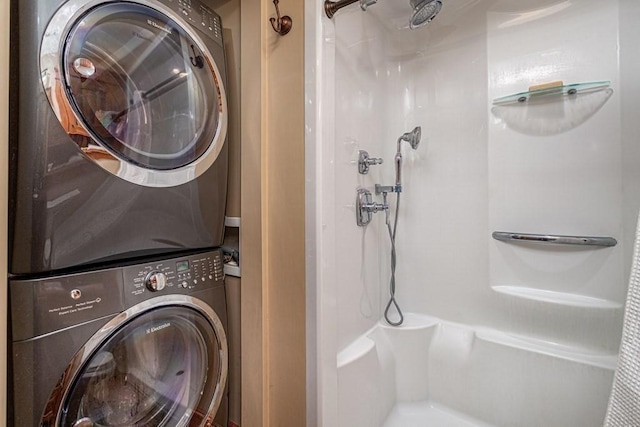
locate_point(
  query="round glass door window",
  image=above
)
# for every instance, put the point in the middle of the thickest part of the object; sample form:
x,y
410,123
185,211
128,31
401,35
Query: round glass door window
x,y
142,86
154,371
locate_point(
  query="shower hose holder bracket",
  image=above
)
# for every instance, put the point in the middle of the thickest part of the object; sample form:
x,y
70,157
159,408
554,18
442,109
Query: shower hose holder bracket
x,y
382,189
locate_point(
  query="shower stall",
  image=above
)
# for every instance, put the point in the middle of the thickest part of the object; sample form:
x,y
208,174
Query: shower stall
x,y
516,231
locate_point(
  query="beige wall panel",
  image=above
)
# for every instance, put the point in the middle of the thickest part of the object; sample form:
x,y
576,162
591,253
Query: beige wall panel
x,y
4,143
285,221
273,269
252,122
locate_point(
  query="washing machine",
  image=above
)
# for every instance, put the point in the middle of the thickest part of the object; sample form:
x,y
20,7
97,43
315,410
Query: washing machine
x,y
137,345
118,128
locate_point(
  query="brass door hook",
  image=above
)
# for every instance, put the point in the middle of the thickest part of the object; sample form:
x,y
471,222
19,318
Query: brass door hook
x,y
284,23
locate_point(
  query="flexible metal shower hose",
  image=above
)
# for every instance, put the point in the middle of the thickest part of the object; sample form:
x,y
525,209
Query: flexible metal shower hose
x,y
392,281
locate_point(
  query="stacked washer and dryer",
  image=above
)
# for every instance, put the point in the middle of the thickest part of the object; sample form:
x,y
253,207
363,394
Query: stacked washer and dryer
x,y
118,188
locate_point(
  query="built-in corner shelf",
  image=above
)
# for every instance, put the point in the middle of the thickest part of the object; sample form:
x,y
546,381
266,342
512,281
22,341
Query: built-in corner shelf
x,y
232,242
547,348
357,350
551,90
554,297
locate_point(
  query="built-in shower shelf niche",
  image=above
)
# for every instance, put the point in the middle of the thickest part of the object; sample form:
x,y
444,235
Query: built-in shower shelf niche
x,y
547,349
559,298
558,91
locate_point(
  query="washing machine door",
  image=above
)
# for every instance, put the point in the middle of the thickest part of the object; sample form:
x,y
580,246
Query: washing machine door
x,y
134,83
160,364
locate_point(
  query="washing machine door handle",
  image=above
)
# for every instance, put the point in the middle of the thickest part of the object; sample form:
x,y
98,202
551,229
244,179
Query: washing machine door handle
x,y
196,60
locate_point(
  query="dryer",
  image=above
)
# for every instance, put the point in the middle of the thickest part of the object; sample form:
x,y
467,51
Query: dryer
x,y
140,345
118,128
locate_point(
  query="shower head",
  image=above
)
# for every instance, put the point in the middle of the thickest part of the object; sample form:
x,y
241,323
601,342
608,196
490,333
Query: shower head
x,y
423,12
413,137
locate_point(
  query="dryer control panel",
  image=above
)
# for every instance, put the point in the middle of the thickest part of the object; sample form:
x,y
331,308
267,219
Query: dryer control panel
x,y
182,275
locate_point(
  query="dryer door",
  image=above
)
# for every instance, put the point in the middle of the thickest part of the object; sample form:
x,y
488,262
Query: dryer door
x,y
166,366
133,82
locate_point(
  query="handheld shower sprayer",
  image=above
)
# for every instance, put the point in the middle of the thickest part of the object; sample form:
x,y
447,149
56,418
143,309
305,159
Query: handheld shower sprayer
x,y
413,138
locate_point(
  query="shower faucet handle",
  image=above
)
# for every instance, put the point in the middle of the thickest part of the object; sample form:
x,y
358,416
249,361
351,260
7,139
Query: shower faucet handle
x,y
365,161
366,207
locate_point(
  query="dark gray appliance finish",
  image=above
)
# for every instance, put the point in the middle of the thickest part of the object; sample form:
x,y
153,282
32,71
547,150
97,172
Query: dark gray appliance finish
x,y
71,330
67,209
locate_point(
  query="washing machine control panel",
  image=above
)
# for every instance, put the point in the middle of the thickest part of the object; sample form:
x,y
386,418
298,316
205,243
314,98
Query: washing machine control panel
x,y
181,275
198,15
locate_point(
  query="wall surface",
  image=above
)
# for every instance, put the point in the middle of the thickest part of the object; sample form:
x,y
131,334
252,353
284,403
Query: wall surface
x,y
568,154
4,135
284,256
272,242
254,391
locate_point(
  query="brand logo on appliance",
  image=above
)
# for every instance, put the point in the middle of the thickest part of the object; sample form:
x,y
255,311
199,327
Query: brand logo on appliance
x,y
158,26
158,328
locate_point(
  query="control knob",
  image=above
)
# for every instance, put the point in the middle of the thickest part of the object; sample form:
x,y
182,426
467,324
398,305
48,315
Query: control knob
x,y
155,281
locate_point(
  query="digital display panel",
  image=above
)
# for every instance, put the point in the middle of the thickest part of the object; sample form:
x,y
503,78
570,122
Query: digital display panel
x,y
182,266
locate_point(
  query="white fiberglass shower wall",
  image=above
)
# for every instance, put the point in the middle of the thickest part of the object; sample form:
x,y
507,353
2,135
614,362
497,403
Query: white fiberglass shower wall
x,y
496,333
